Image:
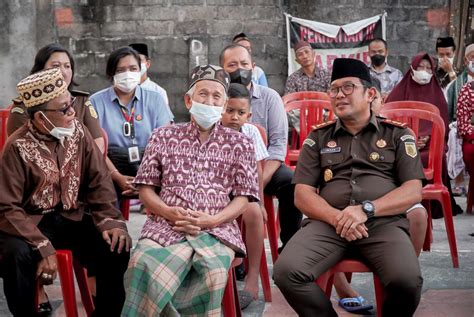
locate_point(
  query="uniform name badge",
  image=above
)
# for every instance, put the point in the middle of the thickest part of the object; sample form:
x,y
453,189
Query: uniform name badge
x,y
133,154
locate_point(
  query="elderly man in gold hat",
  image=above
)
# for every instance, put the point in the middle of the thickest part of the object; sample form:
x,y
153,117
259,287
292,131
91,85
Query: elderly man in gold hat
x,y
195,179
50,169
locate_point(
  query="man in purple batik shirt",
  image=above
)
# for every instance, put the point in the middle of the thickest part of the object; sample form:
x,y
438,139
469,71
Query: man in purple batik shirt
x,y
195,179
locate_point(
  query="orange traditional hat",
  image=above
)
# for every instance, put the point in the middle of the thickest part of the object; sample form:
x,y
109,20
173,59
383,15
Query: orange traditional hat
x,y
41,87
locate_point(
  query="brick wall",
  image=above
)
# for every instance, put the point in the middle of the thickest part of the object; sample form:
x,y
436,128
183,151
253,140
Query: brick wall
x,y
91,29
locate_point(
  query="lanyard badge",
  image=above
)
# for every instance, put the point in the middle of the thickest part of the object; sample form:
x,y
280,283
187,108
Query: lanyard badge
x,y
127,129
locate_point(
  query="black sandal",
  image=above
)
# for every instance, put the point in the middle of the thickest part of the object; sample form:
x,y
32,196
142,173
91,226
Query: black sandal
x,y
45,309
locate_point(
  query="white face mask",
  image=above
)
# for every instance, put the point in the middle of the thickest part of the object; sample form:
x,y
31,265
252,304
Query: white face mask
x,y
450,59
127,81
471,67
143,69
422,77
204,115
59,132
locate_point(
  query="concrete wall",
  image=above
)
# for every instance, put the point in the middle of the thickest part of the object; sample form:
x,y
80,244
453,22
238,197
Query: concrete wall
x,y
91,29
412,26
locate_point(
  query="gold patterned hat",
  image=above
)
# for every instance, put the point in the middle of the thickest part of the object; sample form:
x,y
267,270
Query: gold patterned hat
x,y
41,87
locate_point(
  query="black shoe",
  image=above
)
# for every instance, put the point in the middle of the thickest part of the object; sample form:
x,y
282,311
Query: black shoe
x,y
457,210
240,272
45,309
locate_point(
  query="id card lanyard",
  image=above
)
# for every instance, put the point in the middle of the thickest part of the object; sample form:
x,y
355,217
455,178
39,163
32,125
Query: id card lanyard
x,y
129,131
128,125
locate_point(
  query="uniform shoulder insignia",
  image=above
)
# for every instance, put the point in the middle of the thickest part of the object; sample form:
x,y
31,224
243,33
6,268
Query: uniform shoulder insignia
x,y
91,110
17,110
79,93
323,125
395,123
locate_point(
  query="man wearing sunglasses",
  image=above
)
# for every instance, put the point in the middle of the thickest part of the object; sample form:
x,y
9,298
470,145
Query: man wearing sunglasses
x,y
355,179
50,169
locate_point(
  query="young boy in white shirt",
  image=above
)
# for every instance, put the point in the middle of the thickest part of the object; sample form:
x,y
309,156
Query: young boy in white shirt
x,y
236,115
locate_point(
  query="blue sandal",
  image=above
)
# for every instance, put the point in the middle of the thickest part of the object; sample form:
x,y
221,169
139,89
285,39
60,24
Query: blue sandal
x,y
354,304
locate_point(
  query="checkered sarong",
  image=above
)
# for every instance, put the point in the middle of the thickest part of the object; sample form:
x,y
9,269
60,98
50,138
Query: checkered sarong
x,y
184,279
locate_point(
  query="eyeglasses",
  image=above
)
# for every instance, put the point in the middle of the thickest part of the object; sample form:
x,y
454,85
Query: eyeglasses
x,y
64,110
347,89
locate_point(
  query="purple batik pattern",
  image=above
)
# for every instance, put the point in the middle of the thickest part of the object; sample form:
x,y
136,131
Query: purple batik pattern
x,y
198,176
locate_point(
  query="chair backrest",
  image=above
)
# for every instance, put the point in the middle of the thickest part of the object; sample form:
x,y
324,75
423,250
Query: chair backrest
x,y
408,104
3,126
412,118
311,112
305,95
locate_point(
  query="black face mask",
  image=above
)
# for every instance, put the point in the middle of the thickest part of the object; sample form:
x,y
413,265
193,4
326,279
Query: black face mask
x,y
241,76
377,60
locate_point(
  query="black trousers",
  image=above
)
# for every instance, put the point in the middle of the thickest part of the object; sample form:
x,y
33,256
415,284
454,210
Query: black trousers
x,y
19,263
316,248
290,217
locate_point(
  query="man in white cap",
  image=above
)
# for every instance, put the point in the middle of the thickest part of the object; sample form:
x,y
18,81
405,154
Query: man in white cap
x,y
195,179
57,194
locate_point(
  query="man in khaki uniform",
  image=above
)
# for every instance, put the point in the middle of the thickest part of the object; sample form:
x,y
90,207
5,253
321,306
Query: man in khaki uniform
x,y
368,173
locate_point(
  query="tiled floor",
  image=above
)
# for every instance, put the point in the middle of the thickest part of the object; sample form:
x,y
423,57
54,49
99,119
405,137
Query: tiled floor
x,y
446,291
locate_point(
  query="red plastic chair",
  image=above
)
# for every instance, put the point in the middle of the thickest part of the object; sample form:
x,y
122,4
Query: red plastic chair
x,y
470,194
408,104
299,96
311,112
272,221
263,270
349,266
305,95
66,265
3,126
436,190
230,300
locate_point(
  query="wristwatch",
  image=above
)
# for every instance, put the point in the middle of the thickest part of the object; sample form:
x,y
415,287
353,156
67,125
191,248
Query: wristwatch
x,y
369,208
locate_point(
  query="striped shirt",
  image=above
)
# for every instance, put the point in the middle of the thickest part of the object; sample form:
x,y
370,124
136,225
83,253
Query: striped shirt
x,y
252,132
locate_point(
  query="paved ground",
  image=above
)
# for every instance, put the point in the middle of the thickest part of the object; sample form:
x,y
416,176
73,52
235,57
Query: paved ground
x,y
446,291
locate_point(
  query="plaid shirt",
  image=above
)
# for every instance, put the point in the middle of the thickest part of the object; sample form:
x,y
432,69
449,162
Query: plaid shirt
x,y
198,176
389,77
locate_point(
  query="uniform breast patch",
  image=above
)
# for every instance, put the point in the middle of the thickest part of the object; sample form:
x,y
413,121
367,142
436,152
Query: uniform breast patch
x,y
330,150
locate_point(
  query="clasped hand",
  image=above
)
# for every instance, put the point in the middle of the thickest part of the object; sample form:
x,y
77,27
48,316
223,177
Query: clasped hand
x,y
350,223
187,220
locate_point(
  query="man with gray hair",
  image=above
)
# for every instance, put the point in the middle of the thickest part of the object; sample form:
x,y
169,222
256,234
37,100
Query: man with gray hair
x,y
195,179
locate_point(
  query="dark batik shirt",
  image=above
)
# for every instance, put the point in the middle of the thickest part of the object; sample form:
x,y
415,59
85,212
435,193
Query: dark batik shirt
x,y
203,177
39,175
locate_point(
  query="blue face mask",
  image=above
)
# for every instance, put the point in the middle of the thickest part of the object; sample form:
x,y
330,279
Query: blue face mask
x,y
205,115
